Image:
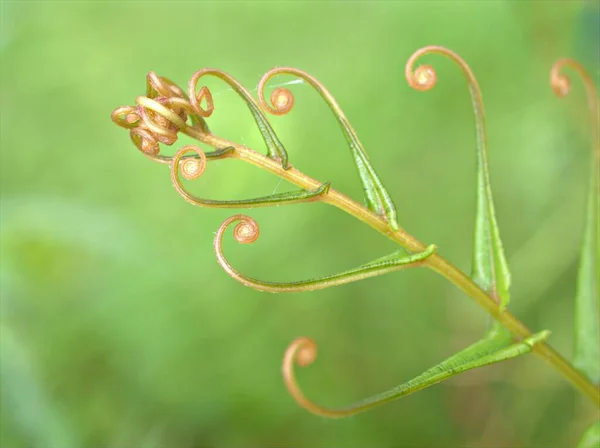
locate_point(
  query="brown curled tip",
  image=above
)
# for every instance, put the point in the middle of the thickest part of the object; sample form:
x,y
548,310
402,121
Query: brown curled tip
x,y
162,119
302,351
145,141
160,86
125,117
246,231
166,114
282,99
191,167
424,77
561,84
204,95
156,118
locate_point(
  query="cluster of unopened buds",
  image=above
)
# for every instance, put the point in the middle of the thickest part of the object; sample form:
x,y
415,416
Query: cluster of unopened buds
x,y
166,110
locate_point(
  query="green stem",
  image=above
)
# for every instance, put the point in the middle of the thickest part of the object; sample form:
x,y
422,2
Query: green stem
x,y
436,262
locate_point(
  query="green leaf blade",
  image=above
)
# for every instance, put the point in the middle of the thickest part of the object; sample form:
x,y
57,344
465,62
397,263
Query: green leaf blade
x,y
490,268
389,263
587,311
275,148
495,347
377,198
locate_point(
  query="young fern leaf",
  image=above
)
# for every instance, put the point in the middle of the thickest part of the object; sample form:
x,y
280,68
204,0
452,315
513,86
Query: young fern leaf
x,y
161,87
158,117
275,148
495,347
490,268
591,437
282,100
193,167
247,231
587,325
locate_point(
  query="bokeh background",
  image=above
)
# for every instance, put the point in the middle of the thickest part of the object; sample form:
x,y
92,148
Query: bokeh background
x,y
118,327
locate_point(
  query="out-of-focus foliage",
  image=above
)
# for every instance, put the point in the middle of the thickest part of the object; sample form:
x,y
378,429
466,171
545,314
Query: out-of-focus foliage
x,y
591,437
118,327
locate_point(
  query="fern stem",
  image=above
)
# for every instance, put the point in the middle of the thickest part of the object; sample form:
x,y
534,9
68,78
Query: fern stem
x,y
436,262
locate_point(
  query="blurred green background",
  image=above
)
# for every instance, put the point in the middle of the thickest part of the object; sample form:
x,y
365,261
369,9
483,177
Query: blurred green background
x,y
118,327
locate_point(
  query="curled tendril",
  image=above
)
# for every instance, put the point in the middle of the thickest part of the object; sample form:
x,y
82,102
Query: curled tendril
x,y
303,351
146,142
389,263
275,148
190,162
496,346
282,101
125,117
561,85
204,95
157,117
161,121
246,231
490,267
587,325
160,86
424,78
